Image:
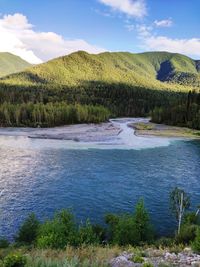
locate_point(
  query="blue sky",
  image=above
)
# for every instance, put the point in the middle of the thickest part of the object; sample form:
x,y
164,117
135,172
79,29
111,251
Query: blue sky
x,y
39,30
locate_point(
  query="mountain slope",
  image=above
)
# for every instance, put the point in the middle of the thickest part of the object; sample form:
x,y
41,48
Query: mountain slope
x,y
149,70
10,63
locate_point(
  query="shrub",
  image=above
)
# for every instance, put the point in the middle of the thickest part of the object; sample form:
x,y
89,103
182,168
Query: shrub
x,y
100,232
4,243
58,232
87,236
191,218
130,229
28,231
125,233
138,259
196,243
187,234
164,242
142,221
14,260
112,221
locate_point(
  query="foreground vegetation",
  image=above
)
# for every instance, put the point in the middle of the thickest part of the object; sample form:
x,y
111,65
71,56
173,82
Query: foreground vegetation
x,y
61,242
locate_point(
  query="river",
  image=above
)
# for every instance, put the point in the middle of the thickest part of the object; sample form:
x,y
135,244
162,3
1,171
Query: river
x,y
94,178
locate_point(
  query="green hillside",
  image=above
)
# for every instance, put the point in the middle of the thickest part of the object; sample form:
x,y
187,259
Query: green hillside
x,y
10,63
147,69
89,88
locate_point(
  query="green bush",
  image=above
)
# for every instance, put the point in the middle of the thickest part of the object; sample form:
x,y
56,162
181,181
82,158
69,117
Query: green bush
x,y
196,243
14,260
112,221
142,222
4,243
187,234
100,232
130,229
58,232
28,231
138,259
164,242
191,218
86,234
125,232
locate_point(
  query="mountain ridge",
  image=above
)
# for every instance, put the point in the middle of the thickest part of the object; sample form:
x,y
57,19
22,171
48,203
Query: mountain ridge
x,y
149,69
10,63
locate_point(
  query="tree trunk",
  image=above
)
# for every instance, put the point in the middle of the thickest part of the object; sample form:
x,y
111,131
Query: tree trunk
x,y
180,214
197,212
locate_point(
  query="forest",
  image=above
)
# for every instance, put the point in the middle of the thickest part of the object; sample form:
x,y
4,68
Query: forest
x,y
47,106
50,114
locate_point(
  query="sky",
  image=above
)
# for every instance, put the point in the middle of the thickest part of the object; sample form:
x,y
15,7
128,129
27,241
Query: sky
x,y
40,30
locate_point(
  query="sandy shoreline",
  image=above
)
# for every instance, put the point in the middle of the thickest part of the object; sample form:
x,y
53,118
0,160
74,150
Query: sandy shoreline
x,y
78,132
161,130
101,132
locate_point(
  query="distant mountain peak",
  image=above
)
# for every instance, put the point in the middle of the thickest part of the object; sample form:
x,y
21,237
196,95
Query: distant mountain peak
x,y
10,63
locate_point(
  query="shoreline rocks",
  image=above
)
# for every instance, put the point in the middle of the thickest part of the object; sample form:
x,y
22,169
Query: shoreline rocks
x,y
158,258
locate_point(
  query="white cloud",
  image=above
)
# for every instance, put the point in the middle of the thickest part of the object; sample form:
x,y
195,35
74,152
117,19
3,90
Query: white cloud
x,y
18,37
149,41
133,8
163,23
190,47
143,30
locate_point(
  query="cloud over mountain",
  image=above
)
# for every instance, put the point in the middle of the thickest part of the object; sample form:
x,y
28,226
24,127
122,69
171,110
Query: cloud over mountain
x,y
19,37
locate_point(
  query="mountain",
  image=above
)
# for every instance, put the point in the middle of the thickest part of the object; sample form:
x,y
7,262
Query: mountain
x,y
150,70
10,63
82,87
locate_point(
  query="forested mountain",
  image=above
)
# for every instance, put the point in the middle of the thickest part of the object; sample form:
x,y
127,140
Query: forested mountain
x,y
90,88
10,63
146,69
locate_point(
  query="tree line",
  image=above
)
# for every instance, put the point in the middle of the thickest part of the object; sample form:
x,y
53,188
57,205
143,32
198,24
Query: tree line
x,y
50,114
184,113
119,99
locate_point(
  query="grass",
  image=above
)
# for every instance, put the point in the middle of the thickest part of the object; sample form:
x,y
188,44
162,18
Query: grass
x,y
165,131
89,256
86,256
144,126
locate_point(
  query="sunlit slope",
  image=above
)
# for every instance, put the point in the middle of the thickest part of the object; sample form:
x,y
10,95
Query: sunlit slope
x,y
10,63
151,70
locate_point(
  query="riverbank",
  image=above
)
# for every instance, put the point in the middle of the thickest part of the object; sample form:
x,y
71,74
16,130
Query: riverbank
x,y
78,132
115,134
104,132
104,256
160,130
